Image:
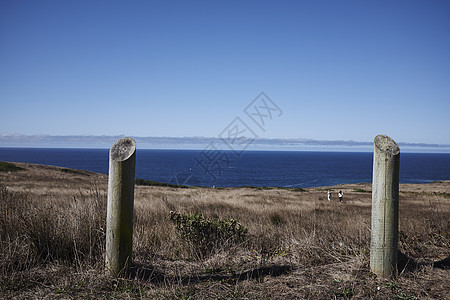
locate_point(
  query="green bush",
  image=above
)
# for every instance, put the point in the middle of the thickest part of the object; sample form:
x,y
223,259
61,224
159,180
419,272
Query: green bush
x,y
9,167
276,219
156,183
205,235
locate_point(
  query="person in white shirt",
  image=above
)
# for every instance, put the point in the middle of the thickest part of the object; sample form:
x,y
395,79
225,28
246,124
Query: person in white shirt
x,y
340,195
329,196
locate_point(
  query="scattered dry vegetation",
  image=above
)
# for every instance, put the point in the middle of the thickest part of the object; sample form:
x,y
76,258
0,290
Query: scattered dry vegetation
x,y
292,244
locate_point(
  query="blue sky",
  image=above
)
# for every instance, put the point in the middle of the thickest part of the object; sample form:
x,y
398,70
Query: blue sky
x,y
339,70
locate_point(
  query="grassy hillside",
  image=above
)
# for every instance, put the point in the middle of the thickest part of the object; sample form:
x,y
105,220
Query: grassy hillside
x,y
290,245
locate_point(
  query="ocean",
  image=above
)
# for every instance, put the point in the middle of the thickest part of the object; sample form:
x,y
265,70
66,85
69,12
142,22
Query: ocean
x,y
294,169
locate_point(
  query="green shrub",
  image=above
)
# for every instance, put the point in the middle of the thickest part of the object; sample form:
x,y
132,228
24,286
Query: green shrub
x,y
72,171
276,219
298,190
206,234
9,167
156,183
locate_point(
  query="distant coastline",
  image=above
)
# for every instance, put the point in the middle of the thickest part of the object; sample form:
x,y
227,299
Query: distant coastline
x,y
200,143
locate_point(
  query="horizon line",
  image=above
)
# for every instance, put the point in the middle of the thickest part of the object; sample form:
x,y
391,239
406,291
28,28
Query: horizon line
x,y
200,142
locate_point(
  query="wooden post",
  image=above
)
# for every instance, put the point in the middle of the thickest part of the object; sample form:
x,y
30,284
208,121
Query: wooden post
x,y
119,218
384,234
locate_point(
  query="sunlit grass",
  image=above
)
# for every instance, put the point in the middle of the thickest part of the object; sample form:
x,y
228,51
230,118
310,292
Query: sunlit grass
x,y
296,245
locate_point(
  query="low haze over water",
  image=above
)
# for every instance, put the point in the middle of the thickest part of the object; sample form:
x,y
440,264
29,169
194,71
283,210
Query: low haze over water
x,y
255,168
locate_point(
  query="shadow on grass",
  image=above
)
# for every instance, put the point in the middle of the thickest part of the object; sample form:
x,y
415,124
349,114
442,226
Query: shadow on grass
x,y
409,264
443,264
148,273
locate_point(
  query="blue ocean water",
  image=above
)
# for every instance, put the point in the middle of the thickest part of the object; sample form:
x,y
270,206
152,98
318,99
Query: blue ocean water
x,y
255,168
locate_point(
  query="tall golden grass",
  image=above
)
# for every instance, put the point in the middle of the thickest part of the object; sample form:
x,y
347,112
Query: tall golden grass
x,y
298,245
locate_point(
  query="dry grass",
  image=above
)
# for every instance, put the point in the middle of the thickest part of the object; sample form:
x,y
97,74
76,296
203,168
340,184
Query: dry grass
x,y
298,245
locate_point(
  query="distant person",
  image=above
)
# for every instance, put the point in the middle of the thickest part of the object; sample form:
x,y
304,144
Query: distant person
x,y
341,196
329,196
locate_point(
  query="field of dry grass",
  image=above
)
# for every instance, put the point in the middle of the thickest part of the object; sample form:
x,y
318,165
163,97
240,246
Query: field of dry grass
x,y
298,244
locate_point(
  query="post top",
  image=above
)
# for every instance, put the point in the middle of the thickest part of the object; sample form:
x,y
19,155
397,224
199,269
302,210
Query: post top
x,y
122,149
386,144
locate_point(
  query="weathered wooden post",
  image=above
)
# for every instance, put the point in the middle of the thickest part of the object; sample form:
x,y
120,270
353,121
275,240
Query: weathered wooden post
x,y
384,234
119,219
